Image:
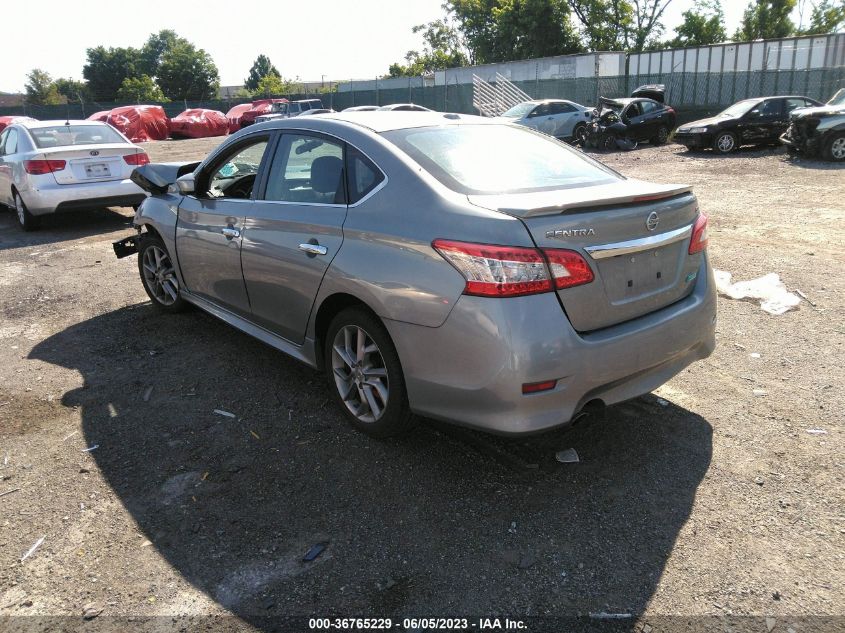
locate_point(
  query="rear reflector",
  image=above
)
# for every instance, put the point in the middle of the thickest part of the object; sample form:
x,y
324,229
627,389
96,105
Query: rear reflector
x,y
514,271
534,387
698,242
41,167
140,158
497,271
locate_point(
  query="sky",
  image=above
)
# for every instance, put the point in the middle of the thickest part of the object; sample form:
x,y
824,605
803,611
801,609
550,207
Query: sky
x,y
306,39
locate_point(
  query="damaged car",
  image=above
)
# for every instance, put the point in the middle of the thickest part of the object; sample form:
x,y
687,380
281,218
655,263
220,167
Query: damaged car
x,y
445,265
624,123
290,109
818,131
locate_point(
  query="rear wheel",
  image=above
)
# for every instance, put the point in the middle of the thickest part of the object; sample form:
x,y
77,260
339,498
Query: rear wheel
x,y
835,148
364,374
27,221
661,137
725,142
158,275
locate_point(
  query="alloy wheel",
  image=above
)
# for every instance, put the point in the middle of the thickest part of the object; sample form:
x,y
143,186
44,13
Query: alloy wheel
x,y
837,148
159,275
662,135
360,373
725,143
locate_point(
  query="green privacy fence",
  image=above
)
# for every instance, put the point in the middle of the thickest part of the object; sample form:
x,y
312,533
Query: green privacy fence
x,y
692,94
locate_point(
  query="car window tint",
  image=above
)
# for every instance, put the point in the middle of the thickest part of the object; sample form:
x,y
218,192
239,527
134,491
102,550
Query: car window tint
x,y
634,110
11,145
306,169
541,110
363,176
3,136
649,106
770,107
234,176
791,104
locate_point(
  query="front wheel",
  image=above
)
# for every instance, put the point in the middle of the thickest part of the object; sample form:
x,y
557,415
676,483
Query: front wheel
x,y
608,142
158,275
725,142
579,134
835,148
27,221
364,374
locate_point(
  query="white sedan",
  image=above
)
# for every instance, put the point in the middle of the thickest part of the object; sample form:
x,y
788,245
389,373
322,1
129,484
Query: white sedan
x,y
51,166
555,117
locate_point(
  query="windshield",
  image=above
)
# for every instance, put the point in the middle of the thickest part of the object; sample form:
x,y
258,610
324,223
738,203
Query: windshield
x,y
489,159
520,110
739,108
68,135
279,107
838,99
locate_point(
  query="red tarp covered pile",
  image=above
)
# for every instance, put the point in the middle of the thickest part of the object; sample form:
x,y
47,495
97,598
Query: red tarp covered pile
x,y
234,116
6,121
262,106
103,116
199,123
140,123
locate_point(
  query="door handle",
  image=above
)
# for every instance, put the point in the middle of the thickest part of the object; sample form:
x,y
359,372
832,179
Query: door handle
x,y
313,249
231,232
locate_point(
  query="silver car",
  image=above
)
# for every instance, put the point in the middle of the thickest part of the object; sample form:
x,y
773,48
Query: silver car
x,y
436,264
555,117
52,166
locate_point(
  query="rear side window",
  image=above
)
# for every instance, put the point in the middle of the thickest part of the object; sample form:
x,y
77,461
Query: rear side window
x,y
791,104
362,177
489,159
649,106
306,169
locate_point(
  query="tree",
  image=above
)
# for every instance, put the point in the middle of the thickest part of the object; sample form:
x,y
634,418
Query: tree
x,y
40,89
274,86
504,30
703,24
646,24
604,24
72,89
140,89
827,16
186,72
442,49
149,57
766,19
107,68
261,67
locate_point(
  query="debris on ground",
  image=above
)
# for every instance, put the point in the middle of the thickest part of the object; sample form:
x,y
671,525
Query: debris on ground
x,y
609,616
90,448
760,392
313,552
147,393
810,431
804,297
8,492
67,437
91,610
662,402
387,583
769,289
225,414
567,456
770,624
754,355
32,549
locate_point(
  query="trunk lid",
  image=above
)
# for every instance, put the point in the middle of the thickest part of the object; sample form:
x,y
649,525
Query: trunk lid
x,y
641,262
651,91
99,163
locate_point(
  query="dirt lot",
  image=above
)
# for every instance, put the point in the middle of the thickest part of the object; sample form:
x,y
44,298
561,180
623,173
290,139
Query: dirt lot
x,y
712,501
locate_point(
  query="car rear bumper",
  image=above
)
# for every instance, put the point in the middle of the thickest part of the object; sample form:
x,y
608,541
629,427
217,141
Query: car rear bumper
x,y
471,369
45,198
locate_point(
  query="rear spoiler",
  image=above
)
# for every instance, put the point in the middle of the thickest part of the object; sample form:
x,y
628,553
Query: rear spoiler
x,y
157,177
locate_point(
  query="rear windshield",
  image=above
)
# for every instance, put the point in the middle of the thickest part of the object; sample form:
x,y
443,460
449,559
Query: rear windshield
x,y
67,135
488,159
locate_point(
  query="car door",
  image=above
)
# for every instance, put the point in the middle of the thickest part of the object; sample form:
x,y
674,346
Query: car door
x,y
564,117
635,121
760,124
294,231
211,222
539,118
8,139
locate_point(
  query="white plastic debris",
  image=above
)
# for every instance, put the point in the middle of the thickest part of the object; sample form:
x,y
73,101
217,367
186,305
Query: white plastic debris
x,y
33,548
769,289
225,414
90,448
760,392
568,456
816,431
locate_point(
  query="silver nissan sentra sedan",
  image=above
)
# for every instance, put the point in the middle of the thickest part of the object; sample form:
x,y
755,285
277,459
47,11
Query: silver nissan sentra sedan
x,y
436,264
52,166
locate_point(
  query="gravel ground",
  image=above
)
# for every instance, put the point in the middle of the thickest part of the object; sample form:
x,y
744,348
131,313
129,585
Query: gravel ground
x,y
703,499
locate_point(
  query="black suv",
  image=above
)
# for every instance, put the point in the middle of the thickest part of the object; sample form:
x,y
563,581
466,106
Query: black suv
x,y
818,131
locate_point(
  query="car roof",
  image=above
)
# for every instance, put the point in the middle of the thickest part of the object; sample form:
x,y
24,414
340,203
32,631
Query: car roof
x,y
385,121
33,124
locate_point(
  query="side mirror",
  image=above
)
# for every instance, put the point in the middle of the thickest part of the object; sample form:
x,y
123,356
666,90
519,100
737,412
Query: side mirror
x,y
186,184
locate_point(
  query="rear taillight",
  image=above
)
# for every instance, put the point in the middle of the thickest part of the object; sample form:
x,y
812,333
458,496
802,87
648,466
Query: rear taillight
x,y
568,268
140,158
537,387
513,271
41,167
698,242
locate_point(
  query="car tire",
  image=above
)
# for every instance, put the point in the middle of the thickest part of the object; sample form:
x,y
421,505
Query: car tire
x,y
661,137
27,221
835,148
364,374
725,143
792,151
579,134
158,274
608,143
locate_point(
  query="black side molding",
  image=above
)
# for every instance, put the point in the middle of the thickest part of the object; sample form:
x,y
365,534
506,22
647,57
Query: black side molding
x,y
126,247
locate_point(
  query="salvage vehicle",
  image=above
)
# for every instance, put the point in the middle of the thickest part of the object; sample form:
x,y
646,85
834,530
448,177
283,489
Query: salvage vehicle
x,y
758,121
52,166
259,108
623,123
444,265
818,131
555,117
403,107
289,109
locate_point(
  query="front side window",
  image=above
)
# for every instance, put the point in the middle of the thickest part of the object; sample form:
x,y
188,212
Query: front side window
x,y
234,176
488,159
307,169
